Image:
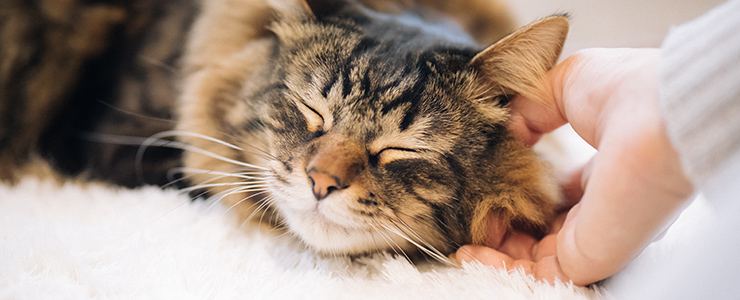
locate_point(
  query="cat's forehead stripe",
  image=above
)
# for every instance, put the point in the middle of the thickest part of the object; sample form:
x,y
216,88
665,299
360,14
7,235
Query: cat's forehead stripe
x,y
377,94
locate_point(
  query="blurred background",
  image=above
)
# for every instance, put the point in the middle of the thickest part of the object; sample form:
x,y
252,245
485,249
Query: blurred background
x,y
607,23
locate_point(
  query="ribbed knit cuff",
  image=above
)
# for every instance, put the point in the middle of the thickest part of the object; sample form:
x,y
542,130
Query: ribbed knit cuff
x,y
700,91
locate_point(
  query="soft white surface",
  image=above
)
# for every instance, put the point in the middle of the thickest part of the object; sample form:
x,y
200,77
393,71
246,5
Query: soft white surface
x,y
96,242
89,241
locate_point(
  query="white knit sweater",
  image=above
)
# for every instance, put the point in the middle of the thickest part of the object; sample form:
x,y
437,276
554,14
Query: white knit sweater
x,y
700,91
700,101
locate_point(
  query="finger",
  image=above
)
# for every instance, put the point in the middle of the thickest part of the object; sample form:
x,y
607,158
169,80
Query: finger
x,y
518,126
548,269
491,257
527,266
483,254
518,245
545,247
621,211
530,119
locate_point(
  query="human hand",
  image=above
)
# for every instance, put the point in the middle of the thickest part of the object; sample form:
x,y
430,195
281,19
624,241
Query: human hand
x,y
631,189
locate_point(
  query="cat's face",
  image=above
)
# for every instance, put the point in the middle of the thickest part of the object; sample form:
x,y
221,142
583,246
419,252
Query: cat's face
x,y
365,143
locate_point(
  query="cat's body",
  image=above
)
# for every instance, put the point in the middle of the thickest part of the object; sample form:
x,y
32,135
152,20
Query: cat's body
x,y
78,78
367,126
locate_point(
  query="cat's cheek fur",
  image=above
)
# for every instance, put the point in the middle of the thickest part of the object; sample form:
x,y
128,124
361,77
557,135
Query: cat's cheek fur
x,y
525,197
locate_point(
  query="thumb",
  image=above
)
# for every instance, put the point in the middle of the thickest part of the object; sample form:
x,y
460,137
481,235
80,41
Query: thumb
x,y
530,118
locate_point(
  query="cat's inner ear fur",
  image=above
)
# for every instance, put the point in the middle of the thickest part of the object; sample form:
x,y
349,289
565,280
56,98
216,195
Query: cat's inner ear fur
x,y
518,62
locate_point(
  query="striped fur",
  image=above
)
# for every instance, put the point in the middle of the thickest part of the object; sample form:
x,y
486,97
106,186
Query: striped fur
x,y
358,126
407,102
83,83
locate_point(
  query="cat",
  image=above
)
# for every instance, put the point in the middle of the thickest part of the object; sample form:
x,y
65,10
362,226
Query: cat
x,y
364,125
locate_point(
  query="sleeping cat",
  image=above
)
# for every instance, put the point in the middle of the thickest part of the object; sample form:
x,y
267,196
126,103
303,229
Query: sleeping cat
x,y
365,130
365,125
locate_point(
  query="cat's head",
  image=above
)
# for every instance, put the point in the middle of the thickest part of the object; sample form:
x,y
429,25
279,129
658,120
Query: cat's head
x,y
370,140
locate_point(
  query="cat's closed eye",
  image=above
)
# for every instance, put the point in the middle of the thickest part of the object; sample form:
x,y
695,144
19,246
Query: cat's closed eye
x,y
391,154
314,119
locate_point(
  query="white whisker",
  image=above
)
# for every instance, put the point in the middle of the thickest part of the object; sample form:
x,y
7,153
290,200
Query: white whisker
x,y
251,184
222,195
245,199
265,202
388,240
207,183
177,133
245,175
434,253
260,205
406,225
426,244
182,146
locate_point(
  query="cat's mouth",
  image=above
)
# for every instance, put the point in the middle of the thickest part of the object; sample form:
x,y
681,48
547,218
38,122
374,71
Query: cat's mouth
x,y
328,213
346,219
333,225
326,232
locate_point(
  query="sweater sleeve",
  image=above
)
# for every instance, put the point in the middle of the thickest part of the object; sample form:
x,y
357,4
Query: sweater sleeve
x,y
700,93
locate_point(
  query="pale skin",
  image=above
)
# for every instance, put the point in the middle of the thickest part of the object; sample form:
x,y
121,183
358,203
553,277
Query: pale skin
x,y
629,192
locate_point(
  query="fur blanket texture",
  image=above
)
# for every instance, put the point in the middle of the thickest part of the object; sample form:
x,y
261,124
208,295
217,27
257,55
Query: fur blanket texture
x,y
93,241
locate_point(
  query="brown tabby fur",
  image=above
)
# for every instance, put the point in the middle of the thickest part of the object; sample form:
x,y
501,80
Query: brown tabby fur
x,y
134,57
64,64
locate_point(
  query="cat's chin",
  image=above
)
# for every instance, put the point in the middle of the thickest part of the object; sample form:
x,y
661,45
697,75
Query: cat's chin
x,y
327,237
329,227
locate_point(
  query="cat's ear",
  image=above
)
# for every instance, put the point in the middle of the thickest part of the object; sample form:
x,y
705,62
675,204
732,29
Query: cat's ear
x,y
519,61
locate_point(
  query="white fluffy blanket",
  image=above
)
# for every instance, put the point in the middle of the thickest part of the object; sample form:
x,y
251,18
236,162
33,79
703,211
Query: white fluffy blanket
x,y
90,241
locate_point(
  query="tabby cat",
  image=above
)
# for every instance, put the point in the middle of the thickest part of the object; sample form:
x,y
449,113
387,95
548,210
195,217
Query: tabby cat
x,y
365,125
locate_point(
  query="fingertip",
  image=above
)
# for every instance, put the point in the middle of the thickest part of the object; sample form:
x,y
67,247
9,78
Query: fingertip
x,y
536,117
517,125
485,255
574,264
518,245
463,254
526,266
548,270
546,247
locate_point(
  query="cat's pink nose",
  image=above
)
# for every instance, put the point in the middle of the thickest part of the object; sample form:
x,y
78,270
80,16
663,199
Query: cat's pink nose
x,y
323,184
334,165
